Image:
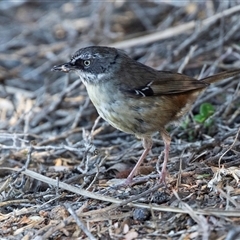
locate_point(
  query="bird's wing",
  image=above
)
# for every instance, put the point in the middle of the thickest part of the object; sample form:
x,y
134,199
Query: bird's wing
x,y
161,83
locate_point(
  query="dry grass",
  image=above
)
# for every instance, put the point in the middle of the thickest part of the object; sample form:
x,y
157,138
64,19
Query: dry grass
x,y
59,164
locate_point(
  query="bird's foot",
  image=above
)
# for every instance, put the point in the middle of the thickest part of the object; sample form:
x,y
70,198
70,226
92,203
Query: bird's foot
x,y
129,182
162,177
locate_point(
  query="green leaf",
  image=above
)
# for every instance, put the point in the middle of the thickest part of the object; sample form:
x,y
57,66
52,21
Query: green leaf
x,y
206,110
199,118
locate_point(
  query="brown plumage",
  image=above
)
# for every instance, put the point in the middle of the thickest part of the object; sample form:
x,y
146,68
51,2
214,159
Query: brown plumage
x,y
135,98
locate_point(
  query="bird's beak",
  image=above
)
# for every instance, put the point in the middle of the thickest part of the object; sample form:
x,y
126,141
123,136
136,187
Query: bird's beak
x,y
65,67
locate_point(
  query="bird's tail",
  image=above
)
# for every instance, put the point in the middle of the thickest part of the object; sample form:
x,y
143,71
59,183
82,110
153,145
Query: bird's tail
x,y
221,76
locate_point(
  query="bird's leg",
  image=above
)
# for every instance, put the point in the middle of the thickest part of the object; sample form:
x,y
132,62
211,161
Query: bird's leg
x,y
147,145
167,140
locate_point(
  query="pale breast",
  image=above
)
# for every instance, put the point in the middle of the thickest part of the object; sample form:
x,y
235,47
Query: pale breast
x,y
139,116
111,108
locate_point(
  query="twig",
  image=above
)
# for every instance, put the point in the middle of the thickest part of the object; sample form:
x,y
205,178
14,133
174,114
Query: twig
x,y
187,58
79,222
174,31
118,202
232,145
55,104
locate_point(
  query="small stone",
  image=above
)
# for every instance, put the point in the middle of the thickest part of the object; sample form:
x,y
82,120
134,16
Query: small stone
x,y
141,214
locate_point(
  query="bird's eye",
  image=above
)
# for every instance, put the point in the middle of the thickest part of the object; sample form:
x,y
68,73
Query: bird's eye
x,y
86,63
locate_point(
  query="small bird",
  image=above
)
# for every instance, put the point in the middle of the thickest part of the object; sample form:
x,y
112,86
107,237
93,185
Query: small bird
x,y
135,98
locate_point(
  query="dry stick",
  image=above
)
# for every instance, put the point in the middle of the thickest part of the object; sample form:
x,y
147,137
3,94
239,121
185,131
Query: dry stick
x,y
200,30
232,145
234,233
227,196
61,136
187,58
94,127
5,185
141,15
14,90
29,156
203,226
174,31
211,70
12,202
18,135
80,113
213,94
44,49
171,18
228,108
54,228
37,71
118,202
216,212
89,150
200,76
79,222
106,217
179,178
233,116
55,104
199,219
68,187
38,148
48,126
97,172
217,44
89,141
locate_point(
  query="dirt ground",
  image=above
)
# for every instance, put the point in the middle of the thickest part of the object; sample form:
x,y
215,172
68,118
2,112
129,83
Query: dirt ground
x,y
59,162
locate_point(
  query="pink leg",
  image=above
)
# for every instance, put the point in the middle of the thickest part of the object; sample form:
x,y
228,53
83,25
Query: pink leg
x,y
147,145
167,140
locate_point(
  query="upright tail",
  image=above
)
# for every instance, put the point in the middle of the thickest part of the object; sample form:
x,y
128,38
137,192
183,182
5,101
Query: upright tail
x,y
221,76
